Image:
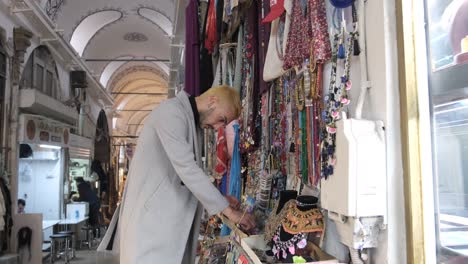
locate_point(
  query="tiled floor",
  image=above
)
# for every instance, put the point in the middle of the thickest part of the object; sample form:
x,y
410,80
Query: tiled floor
x,y
82,257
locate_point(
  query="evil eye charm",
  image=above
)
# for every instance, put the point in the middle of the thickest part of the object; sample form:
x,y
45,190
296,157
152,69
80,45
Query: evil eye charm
x,y
348,85
331,130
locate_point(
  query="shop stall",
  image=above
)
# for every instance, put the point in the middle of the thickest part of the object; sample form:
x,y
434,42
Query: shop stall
x,y
42,165
301,153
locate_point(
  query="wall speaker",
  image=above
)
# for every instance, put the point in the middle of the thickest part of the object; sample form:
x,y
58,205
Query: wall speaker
x,y
78,79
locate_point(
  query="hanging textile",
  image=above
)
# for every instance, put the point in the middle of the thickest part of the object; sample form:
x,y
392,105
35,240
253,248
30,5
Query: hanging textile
x,y
235,173
321,47
300,35
221,156
263,39
206,63
211,33
192,49
238,69
249,93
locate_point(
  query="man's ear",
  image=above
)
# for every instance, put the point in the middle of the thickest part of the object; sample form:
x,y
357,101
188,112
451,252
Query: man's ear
x,y
212,100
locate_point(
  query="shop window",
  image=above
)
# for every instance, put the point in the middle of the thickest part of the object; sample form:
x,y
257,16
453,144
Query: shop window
x,y
447,35
40,73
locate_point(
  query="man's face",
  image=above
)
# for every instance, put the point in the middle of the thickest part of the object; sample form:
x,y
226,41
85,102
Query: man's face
x,y
215,117
20,208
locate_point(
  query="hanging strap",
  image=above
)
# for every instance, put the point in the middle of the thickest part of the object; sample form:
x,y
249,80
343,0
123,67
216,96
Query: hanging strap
x,y
365,83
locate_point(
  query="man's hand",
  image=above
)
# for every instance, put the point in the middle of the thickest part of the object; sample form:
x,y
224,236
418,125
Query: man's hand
x,y
246,221
233,202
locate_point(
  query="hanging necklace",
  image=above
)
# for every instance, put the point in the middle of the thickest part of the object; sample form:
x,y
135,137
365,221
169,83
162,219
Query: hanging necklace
x,y
281,249
336,100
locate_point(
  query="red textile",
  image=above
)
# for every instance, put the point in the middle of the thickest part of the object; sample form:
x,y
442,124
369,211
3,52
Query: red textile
x,y
211,34
222,156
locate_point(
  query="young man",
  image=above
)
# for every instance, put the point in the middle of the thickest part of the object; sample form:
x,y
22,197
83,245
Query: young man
x,y
21,206
166,187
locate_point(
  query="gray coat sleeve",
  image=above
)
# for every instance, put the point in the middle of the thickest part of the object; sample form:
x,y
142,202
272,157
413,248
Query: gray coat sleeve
x,y
170,127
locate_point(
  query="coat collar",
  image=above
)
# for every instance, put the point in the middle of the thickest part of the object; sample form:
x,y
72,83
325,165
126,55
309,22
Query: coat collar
x,y
183,98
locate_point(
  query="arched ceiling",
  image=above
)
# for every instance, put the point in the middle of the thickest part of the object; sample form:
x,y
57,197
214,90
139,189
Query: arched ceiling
x,y
126,44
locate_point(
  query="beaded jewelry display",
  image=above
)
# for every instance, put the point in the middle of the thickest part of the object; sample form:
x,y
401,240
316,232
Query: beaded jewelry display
x,y
248,67
335,101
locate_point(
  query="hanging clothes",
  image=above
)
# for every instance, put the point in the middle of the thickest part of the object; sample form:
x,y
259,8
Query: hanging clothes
x,y
206,63
211,30
192,49
263,39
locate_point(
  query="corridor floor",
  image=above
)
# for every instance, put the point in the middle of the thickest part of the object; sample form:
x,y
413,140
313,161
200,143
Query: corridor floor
x,y
82,257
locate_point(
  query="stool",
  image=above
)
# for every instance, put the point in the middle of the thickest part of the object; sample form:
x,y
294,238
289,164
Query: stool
x,y
88,240
54,252
71,242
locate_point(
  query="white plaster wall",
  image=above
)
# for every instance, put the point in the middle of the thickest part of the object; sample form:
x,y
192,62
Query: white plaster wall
x,y
382,103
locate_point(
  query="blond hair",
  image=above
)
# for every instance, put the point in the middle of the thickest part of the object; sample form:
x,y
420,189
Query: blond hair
x,y
227,96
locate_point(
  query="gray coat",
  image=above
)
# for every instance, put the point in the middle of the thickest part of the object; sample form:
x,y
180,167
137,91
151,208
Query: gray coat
x,y
160,212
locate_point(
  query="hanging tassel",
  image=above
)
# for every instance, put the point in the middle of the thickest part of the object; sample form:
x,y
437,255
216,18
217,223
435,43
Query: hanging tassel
x,y
357,48
341,52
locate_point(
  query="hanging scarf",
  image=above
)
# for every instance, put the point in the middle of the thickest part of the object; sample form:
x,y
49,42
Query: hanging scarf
x,y
221,155
211,34
235,180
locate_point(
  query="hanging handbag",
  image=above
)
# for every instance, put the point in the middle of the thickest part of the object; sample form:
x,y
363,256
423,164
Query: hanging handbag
x,y
273,67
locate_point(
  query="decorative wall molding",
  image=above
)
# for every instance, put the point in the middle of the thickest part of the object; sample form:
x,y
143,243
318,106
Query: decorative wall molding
x,y
22,41
135,37
138,11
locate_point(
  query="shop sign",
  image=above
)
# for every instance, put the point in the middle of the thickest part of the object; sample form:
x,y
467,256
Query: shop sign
x,y
41,130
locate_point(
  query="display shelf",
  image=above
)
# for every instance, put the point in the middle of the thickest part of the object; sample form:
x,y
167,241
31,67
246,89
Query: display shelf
x,y
28,159
449,79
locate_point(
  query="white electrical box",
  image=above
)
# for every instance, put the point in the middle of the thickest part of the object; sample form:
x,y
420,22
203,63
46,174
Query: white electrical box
x,y
358,186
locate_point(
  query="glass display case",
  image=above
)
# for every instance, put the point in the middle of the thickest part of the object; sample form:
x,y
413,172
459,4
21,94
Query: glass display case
x,y
447,38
